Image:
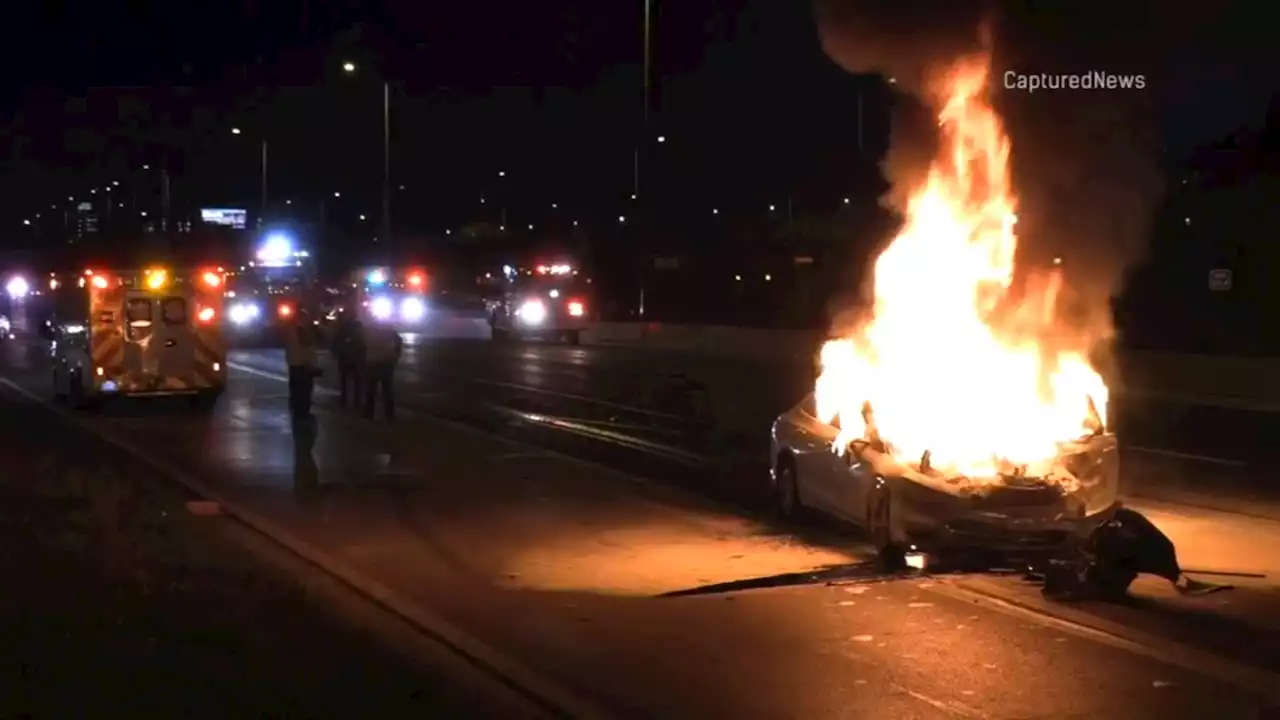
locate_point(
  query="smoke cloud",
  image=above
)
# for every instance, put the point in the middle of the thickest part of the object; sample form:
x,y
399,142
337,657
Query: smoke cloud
x,y
1086,164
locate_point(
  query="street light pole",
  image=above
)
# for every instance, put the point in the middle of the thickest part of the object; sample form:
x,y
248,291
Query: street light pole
x,y
350,69
643,142
264,181
386,161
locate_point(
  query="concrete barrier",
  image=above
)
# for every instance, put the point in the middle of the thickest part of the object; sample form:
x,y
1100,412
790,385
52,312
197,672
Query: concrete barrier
x,y
1227,382
708,339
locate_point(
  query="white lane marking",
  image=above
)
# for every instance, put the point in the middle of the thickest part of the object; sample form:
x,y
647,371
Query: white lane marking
x,y
1186,456
510,673
320,389
1261,682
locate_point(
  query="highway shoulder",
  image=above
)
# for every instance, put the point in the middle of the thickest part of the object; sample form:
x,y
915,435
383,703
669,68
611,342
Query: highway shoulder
x,y
125,597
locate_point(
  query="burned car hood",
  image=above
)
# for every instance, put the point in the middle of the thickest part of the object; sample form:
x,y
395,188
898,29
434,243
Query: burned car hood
x,y
1082,480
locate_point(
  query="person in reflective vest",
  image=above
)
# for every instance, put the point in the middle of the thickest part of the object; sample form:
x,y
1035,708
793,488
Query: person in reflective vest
x,y
300,345
382,349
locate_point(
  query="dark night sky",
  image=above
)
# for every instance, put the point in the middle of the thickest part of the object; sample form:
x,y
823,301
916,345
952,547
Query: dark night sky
x,y
550,93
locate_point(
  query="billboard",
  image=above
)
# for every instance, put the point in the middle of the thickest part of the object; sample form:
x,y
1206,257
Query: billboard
x,y
234,218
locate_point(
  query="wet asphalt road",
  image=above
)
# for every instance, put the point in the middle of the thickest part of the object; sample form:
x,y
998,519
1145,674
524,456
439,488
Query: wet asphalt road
x,y
560,564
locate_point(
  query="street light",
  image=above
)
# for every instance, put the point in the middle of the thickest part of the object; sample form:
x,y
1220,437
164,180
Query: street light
x,y
263,209
350,69
26,222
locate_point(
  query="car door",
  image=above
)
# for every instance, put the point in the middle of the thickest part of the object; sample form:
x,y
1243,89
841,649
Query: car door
x,y
834,484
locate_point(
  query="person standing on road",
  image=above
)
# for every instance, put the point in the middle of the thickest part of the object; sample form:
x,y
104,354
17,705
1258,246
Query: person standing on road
x,y
301,341
348,353
382,349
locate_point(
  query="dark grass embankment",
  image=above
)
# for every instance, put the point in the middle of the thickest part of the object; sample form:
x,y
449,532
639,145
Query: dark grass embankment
x,y
116,601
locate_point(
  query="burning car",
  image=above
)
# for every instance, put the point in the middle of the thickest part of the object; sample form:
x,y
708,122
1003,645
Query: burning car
x,y
959,412
912,507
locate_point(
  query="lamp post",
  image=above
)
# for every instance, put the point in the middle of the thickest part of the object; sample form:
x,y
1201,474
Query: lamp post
x,y
350,68
263,210
643,140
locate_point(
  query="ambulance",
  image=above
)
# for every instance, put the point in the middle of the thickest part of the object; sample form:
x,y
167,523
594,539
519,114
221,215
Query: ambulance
x,y
138,333
546,301
396,297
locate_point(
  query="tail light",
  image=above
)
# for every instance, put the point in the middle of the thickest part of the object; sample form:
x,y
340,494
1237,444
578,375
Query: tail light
x,y
206,315
577,308
285,310
416,280
211,279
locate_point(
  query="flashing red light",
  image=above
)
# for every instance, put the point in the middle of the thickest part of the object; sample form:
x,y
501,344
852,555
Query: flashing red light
x,y
416,280
212,279
285,310
577,308
206,315
99,281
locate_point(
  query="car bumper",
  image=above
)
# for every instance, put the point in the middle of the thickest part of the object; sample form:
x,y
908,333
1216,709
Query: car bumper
x,y
1033,519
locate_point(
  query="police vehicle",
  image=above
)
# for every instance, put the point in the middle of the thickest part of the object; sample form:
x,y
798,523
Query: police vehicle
x,y
137,333
541,302
395,297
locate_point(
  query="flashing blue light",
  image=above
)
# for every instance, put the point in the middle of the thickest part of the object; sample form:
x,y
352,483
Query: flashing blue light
x,y
276,248
377,277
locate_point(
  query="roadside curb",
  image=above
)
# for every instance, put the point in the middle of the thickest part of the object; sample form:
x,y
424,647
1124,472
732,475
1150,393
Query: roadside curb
x,y
1259,681
542,694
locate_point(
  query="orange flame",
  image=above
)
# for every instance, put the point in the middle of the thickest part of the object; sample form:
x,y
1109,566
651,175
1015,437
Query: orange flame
x,y
951,362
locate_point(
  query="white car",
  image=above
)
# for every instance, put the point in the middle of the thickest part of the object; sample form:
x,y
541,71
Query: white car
x,y
906,510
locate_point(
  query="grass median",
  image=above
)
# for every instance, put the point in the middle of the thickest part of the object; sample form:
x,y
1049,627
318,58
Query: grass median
x,y
121,598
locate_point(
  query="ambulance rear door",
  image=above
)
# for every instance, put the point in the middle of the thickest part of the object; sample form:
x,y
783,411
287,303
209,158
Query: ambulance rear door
x,y
158,336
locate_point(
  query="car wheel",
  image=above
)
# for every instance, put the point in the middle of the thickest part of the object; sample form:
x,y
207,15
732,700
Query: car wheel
x,y
58,394
75,391
204,402
892,556
786,490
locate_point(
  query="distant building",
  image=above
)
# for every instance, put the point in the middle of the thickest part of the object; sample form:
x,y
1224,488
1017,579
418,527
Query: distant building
x,y
83,221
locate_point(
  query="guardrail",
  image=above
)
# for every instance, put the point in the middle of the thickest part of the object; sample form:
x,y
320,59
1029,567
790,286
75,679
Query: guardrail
x,y
708,339
1228,382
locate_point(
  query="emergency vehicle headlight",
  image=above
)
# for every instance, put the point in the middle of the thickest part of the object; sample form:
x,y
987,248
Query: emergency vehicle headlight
x,y
412,309
533,312
244,313
18,288
381,308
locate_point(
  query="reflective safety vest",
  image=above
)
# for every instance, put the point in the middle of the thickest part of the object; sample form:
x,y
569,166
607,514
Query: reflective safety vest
x,y
381,344
300,346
